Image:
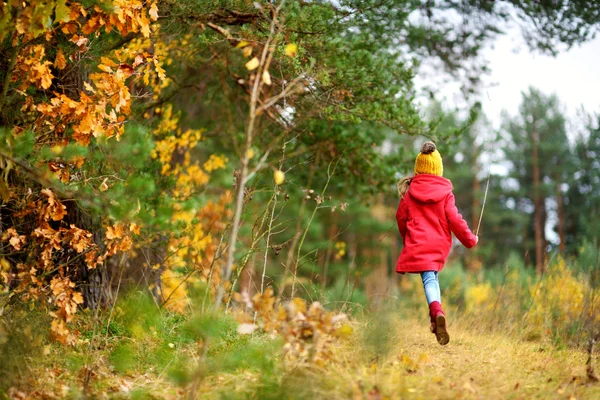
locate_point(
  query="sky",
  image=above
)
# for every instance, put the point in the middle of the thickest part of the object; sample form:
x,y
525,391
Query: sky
x,y
573,75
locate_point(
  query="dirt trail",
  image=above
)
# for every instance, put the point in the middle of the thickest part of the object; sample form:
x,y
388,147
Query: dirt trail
x,y
473,366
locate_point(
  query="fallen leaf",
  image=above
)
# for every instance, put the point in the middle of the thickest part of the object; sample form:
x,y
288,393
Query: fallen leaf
x,y
252,64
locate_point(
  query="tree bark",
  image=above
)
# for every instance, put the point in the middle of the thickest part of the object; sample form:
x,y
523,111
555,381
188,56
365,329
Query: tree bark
x,y
560,204
538,204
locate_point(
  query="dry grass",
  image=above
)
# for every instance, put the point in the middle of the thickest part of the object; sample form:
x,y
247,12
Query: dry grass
x,y
472,366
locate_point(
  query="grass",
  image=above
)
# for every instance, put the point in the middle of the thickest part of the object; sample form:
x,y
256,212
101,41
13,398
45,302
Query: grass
x,y
504,344
392,356
473,365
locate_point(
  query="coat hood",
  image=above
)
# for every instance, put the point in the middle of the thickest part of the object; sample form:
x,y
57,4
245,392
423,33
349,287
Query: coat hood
x,y
428,188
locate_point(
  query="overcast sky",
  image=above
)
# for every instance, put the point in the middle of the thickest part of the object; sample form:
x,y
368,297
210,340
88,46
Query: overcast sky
x,y
573,75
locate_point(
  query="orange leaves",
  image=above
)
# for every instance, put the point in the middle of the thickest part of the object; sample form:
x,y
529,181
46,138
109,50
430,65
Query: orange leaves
x,y
14,238
55,252
33,69
51,249
119,238
66,299
309,331
79,239
102,112
126,16
54,210
80,41
145,25
114,232
60,61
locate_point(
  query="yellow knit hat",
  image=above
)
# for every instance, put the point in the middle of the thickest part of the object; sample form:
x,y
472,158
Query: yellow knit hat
x,y
429,160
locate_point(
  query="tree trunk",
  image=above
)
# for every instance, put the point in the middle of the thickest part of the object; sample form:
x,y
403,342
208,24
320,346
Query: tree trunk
x,y
538,204
560,204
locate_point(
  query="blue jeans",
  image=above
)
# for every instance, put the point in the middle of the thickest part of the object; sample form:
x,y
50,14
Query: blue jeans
x,y
431,286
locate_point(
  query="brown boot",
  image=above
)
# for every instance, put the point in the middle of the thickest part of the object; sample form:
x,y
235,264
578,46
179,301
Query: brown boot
x,y
441,334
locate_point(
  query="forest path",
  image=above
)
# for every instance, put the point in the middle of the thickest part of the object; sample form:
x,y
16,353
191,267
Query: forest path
x,y
472,366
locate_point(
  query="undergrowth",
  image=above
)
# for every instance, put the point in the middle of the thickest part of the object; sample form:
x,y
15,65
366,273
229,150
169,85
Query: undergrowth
x,y
265,350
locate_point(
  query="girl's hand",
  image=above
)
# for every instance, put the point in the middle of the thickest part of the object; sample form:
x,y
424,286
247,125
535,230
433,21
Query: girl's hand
x,y
476,239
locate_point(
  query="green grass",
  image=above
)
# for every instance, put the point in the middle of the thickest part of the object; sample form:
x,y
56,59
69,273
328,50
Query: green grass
x,y
137,351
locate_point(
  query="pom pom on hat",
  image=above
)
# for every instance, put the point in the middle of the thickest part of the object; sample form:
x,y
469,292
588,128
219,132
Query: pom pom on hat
x,y
429,160
428,148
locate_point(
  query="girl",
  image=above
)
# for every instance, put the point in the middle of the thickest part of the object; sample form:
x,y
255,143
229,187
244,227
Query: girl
x,y
426,216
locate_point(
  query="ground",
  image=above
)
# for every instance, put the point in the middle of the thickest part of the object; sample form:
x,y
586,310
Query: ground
x,y
389,356
476,365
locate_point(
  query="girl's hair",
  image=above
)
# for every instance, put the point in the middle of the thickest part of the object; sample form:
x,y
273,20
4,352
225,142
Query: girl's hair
x,y
403,185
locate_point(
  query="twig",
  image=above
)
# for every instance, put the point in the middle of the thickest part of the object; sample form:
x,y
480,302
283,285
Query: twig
x,y
487,185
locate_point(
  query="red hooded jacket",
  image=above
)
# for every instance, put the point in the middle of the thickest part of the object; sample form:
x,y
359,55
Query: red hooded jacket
x,y
426,217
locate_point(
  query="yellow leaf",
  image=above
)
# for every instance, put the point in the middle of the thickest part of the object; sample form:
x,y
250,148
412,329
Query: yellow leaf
x,y
247,51
145,24
266,78
154,12
160,71
88,87
252,64
279,177
242,44
291,49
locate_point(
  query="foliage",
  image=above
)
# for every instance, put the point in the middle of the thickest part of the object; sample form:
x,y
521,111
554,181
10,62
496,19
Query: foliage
x,y
141,142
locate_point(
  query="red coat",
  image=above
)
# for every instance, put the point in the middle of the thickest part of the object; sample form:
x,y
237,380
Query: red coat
x,y
426,217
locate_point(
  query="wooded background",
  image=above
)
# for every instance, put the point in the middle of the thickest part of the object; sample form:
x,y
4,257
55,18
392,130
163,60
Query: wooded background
x,y
217,148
